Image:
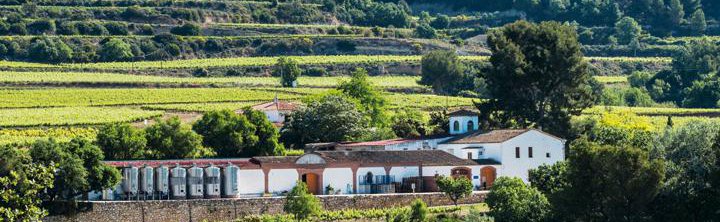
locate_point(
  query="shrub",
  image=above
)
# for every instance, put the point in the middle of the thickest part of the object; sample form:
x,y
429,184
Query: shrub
x,y
115,50
40,27
455,188
187,29
425,31
511,200
300,203
315,71
418,211
116,28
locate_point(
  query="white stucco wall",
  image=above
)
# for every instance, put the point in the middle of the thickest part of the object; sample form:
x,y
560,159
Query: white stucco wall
x,y
406,171
282,180
463,120
338,178
429,171
274,116
541,145
251,182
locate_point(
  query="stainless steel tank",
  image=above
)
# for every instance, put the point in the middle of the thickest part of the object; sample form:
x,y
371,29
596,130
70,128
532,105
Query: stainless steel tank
x,y
147,178
162,181
212,182
178,182
195,183
130,181
230,180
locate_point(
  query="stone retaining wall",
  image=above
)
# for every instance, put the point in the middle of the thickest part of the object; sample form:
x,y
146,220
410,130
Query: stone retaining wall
x,y
229,209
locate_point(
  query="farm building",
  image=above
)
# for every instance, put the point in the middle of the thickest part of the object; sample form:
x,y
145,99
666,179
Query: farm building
x,y
515,150
388,166
275,110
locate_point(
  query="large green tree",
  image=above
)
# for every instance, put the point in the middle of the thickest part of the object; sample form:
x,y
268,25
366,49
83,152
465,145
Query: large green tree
x,y
372,102
21,183
444,72
538,76
609,183
329,118
228,133
511,200
79,168
121,141
627,30
692,187
171,139
266,133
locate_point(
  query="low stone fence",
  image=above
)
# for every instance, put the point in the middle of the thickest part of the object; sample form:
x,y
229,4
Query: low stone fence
x,y
229,209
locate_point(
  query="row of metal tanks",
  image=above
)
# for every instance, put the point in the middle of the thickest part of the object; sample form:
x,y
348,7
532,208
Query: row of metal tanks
x,y
177,183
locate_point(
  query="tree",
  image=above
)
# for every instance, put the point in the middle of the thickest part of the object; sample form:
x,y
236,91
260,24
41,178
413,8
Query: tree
x,y
511,200
40,27
549,179
440,122
627,30
288,71
266,133
443,71
691,191
693,66
21,183
418,211
115,50
698,25
171,139
455,188
187,29
609,183
79,168
425,31
48,50
538,76
406,123
372,103
228,133
441,22
301,203
330,118
121,141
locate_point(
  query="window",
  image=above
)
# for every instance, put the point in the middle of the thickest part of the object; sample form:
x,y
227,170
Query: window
x,y
529,152
470,126
517,152
469,156
480,153
456,126
547,155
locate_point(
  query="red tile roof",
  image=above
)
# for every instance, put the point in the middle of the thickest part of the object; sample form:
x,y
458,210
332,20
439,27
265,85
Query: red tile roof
x,y
240,162
279,105
379,157
495,136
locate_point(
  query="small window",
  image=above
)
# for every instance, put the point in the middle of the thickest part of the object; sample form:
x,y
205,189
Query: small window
x,y
480,153
470,126
530,152
456,126
517,152
469,156
547,155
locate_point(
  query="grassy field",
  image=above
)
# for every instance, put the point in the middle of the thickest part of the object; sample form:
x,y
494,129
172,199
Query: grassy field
x,y
112,78
611,79
67,116
653,111
63,97
264,61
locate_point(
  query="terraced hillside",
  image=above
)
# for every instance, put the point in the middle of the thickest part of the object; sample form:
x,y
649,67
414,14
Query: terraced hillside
x,y
70,65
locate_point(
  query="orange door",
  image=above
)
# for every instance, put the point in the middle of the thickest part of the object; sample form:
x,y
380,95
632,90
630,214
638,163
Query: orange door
x,y
311,180
488,176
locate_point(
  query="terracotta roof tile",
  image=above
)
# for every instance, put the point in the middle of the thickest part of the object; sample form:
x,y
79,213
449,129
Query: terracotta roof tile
x,y
495,136
464,112
415,157
280,105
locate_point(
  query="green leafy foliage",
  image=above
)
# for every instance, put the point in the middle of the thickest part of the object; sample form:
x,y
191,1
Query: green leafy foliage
x,y
115,50
418,211
330,118
171,139
455,188
443,71
301,203
21,184
121,141
79,168
288,71
372,102
511,200
538,77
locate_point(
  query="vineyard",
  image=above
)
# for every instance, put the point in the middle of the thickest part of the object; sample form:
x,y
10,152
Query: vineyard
x,y
226,60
